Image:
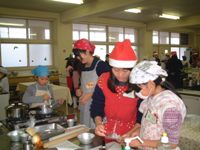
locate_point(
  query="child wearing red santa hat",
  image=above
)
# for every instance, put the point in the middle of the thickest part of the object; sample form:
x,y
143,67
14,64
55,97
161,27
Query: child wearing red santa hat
x,y
115,107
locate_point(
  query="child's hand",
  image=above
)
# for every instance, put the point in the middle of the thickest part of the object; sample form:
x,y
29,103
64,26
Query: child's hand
x,y
85,98
135,133
68,69
100,130
60,101
78,92
135,143
46,97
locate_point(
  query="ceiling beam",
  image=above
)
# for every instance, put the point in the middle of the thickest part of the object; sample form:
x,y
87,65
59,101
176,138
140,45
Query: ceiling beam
x,y
183,22
7,12
110,21
95,8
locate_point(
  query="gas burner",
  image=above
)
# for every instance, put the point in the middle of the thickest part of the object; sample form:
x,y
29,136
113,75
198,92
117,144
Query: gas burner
x,y
44,116
17,120
11,123
18,123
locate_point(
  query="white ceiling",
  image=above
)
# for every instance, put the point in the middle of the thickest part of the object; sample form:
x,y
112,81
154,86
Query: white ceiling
x,y
113,9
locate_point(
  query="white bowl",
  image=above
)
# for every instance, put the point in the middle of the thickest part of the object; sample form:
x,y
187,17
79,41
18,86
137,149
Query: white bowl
x,y
86,138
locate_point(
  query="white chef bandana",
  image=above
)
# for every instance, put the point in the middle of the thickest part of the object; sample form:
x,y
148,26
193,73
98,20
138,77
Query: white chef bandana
x,y
146,71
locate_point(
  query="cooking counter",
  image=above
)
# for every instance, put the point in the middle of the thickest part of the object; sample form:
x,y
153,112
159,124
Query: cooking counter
x,y
6,144
189,140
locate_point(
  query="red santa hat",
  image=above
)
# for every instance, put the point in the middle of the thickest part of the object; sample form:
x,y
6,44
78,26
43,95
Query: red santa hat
x,y
173,53
84,44
123,56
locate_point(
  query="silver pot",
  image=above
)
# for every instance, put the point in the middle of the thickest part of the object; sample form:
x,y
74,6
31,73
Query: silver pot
x,y
45,109
17,110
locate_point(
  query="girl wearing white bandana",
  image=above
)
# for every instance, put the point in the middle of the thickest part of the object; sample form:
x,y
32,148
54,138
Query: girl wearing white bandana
x,y
162,108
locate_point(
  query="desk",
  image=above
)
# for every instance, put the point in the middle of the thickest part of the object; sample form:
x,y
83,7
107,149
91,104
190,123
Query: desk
x,y
58,91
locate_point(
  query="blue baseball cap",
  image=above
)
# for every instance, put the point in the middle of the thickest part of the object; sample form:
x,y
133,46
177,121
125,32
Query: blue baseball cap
x,y
41,71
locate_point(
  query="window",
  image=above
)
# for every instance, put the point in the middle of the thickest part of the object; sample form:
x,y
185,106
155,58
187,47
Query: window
x,y
182,52
40,54
115,34
135,48
155,37
13,55
130,34
104,37
175,38
169,40
39,30
27,50
12,28
175,49
184,38
80,31
164,37
100,51
110,49
97,33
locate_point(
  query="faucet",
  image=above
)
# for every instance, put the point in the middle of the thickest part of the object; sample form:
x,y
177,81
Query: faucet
x,y
128,141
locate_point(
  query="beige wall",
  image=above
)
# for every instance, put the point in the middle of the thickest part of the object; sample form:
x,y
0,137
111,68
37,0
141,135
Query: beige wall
x,y
63,45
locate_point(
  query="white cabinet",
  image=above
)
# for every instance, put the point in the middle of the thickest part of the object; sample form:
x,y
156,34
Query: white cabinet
x,y
192,104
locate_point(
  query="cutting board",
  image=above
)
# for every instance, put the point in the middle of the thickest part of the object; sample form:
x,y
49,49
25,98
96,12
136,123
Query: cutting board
x,y
69,134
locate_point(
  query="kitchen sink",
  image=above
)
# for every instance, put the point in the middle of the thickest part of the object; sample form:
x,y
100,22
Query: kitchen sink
x,y
49,130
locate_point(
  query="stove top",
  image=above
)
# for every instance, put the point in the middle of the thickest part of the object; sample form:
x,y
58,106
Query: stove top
x,y
18,123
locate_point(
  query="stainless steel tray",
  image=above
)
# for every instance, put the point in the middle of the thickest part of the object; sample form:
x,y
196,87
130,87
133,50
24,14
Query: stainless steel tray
x,y
49,130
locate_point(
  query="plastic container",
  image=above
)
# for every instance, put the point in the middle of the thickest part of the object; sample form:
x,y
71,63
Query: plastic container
x,y
164,143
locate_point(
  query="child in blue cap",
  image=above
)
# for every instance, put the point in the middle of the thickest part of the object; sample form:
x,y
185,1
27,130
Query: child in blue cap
x,y
39,92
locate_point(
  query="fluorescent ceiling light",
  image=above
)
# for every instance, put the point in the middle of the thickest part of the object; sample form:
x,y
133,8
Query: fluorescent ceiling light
x,y
169,16
133,10
97,29
11,24
70,1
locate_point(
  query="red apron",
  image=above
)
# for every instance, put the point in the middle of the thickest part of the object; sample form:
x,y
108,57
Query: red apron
x,y
120,111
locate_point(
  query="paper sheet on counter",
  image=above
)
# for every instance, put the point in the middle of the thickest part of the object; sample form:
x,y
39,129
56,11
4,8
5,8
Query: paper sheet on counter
x,y
66,145
110,146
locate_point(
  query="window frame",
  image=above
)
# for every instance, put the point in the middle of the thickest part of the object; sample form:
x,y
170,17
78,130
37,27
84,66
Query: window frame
x,y
28,40
107,42
169,45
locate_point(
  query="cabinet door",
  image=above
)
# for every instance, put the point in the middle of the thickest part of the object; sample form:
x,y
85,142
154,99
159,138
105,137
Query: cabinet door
x,y
192,104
